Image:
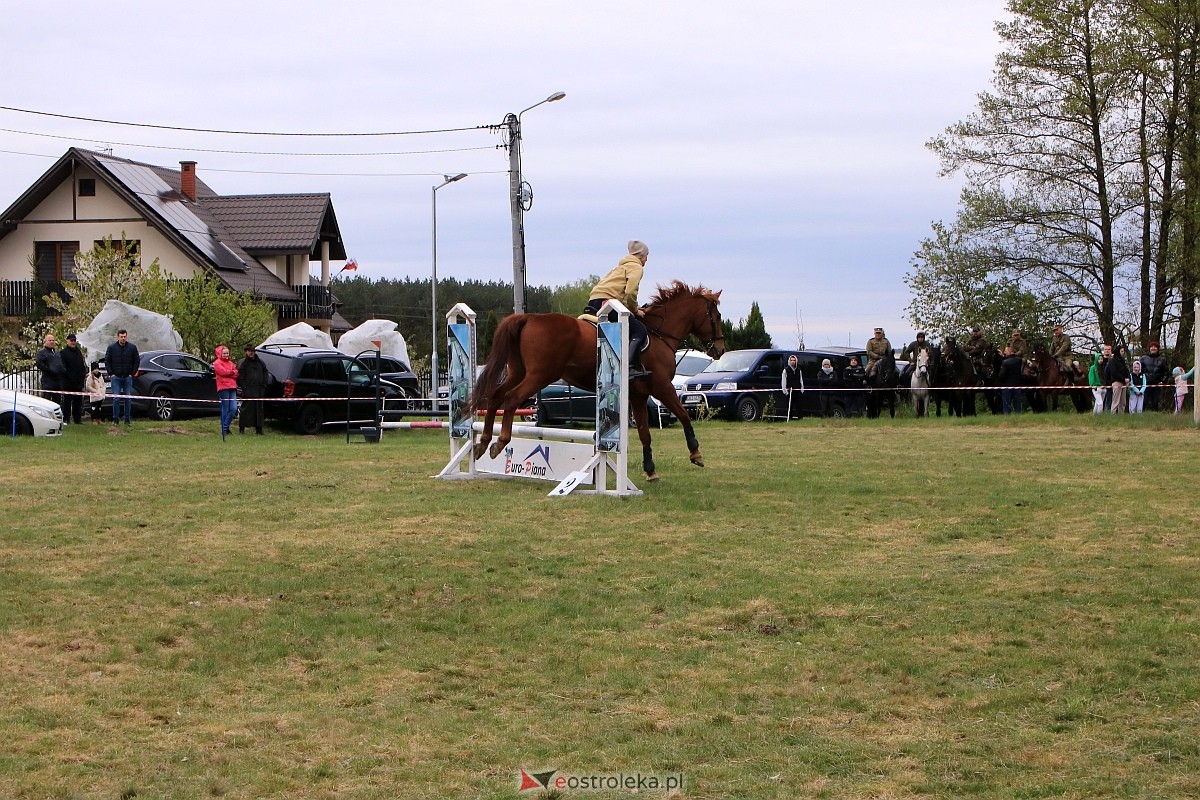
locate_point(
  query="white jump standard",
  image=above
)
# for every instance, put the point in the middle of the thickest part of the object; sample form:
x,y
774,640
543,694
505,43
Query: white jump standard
x,y
569,458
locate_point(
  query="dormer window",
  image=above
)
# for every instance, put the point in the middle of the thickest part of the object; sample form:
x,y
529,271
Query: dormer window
x,y
87,187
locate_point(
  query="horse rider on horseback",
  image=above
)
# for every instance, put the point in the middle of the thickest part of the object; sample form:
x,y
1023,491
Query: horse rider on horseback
x,y
877,347
911,352
977,348
621,283
1060,350
1019,346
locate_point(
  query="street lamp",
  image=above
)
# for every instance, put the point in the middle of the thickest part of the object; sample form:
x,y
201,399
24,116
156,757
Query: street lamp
x,y
433,381
520,198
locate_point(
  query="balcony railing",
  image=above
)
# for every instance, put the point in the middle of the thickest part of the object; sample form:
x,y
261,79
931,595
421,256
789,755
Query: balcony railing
x,y
316,303
17,300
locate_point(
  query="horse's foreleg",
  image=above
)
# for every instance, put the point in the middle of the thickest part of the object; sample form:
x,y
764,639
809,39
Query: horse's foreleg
x,y
641,419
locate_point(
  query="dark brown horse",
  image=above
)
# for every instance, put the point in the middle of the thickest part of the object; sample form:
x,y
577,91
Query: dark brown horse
x,y
1045,369
529,351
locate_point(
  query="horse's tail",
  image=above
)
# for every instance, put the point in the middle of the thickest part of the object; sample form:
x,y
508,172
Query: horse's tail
x,y
505,345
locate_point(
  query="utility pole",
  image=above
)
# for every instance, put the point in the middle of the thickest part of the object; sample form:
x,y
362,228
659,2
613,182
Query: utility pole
x,y
520,198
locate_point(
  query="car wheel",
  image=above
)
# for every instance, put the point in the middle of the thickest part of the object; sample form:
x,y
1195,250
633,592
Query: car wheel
x,y
310,420
838,412
163,407
24,428
540,417
747,409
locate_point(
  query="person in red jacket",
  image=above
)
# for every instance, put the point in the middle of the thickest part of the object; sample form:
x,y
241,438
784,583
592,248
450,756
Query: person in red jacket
x,y
227,375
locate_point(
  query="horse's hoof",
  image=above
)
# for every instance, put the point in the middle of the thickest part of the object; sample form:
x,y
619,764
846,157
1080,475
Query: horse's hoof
x,y
496,449
479,450
698,460
652,476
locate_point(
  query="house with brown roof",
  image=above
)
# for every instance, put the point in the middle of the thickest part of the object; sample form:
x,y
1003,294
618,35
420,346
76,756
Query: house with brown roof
x,y
264,245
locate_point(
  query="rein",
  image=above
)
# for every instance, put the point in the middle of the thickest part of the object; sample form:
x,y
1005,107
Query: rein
x,y
666,336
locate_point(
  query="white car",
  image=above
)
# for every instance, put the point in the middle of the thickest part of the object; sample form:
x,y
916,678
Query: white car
x,y
687,364
33,415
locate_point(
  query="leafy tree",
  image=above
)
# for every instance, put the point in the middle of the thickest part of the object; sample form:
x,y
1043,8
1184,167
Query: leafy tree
x,y
206,315
749,333
954,289
572,297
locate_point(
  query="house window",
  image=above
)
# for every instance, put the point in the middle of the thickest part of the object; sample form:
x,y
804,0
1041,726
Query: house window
x,y
55,261
134,246
87,187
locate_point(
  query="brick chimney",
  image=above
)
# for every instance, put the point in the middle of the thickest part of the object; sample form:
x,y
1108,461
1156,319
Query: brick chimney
x,y
187,179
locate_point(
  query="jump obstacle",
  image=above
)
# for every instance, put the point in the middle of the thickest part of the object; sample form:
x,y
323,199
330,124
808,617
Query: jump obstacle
x,y
570,458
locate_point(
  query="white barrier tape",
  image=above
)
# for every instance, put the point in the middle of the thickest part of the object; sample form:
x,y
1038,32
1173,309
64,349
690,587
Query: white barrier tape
x,y
977,388
110,396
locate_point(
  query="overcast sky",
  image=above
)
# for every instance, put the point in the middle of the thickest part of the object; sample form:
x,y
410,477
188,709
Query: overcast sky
x,y
773,150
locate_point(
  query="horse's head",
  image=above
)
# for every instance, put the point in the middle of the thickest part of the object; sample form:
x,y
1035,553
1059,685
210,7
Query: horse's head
x,y
678,311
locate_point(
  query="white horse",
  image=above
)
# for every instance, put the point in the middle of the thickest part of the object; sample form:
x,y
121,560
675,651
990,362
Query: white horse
x,y
920,385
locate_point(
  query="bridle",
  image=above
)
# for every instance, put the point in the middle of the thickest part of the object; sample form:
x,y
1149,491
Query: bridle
x,y
714,327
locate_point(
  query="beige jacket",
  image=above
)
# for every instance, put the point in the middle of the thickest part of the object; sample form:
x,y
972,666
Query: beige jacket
x,y
621,283
95,387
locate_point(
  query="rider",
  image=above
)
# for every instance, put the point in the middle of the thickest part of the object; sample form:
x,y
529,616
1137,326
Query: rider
x,y
1060,350
621,283
976,346
877,347
1019,346
910,353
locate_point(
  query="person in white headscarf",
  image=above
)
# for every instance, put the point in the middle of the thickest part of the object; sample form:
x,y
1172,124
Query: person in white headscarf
x,y
621,283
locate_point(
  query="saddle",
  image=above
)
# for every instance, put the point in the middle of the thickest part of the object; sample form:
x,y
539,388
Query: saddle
x,y
588,316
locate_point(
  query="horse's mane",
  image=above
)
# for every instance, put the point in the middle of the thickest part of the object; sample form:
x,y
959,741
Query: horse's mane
x,y
678,288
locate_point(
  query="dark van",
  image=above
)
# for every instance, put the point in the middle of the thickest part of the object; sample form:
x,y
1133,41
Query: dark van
x,y
741,383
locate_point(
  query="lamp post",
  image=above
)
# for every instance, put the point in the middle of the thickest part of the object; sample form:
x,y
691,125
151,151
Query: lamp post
x,y
520,198
433,342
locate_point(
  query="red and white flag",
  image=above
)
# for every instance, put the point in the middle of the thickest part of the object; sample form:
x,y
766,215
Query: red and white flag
x,y
351,266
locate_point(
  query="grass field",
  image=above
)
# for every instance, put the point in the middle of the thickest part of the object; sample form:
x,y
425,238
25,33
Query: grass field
x,y
993,608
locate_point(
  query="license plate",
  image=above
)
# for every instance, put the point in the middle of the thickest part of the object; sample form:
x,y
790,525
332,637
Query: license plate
x,y
693,399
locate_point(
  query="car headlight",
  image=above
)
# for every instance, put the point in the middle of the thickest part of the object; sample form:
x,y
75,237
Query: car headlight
x,y
42,412
725,386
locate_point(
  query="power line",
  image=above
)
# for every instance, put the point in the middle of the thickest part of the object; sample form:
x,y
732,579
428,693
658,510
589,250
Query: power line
x,y
298,173
247,152
240,133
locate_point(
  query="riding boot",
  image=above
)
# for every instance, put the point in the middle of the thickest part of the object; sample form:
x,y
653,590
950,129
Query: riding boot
x,y
635,358
635,368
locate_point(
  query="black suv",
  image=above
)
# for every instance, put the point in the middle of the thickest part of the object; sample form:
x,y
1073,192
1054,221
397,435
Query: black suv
x,y
308,387
394,371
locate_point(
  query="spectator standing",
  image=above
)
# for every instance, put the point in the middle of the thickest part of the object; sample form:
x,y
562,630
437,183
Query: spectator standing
x,y
1010,381
791,382
50,364
76,378
95,389
1116,374
121,360
252,379
1181,385
827,381
1096,381
1154,366
854,378
1137,388
227,376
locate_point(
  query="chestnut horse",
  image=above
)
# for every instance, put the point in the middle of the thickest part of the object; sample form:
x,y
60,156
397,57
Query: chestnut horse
x,y
529,351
